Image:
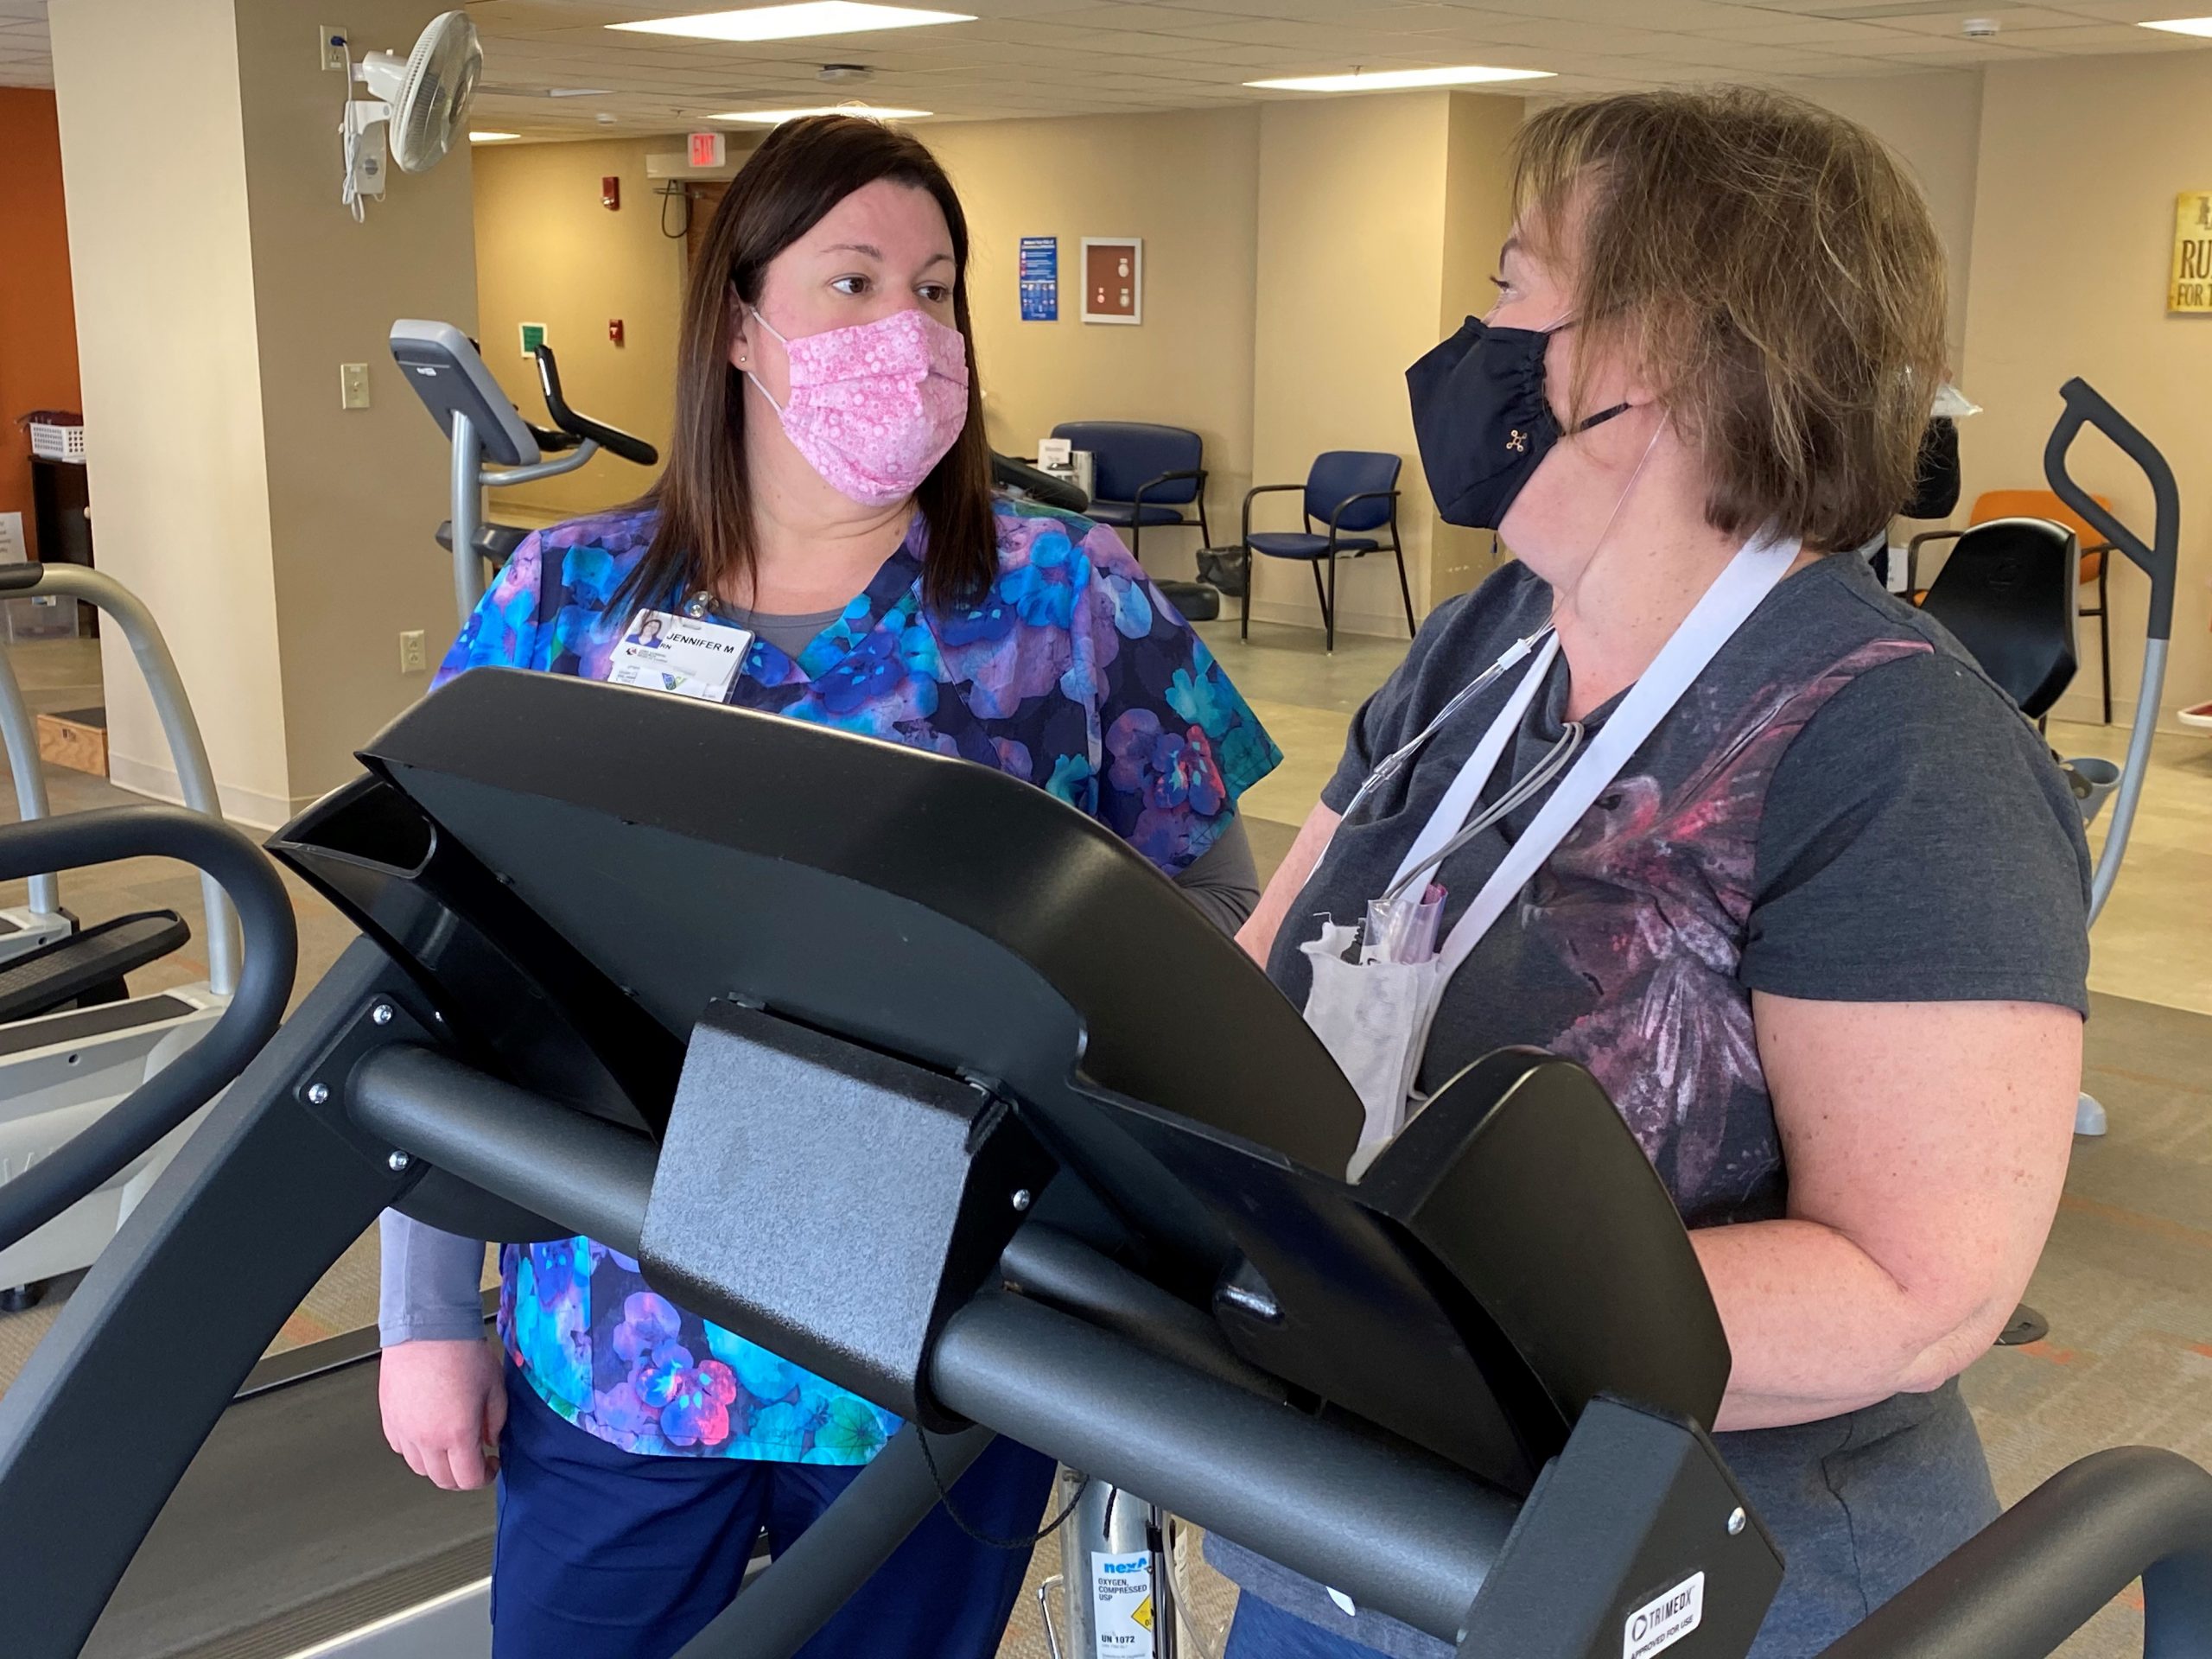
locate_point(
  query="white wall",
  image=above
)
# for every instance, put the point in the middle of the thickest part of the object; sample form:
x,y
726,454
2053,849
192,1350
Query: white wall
x,y
160,257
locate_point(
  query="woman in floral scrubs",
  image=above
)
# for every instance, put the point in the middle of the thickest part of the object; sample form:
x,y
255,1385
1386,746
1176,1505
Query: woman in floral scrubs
x,y
641,1449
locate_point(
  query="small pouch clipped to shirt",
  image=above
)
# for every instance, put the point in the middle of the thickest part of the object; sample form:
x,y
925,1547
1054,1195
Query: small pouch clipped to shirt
x,y
1371,1014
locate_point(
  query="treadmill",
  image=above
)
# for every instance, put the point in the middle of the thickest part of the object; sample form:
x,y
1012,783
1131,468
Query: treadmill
x,y
1472,1390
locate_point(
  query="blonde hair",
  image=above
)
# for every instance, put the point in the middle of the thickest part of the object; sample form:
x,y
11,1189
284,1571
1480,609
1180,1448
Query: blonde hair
x,y
1770,271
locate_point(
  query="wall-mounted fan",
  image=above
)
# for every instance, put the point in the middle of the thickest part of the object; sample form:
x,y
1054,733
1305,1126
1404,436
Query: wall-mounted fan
x,y
417,104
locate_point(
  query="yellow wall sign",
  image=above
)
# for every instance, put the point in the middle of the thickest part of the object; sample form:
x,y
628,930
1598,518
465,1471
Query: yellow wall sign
x,y
2191,288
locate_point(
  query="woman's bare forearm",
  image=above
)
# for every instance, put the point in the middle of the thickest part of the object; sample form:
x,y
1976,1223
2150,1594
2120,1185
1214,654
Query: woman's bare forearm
x,y
1257,935
1818,1327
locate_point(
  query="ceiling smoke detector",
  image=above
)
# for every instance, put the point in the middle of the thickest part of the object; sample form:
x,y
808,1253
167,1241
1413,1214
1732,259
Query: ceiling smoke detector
x,y
1980,28
844,74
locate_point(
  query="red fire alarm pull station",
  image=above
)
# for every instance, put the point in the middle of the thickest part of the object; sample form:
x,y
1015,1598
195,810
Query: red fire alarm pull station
x,y
614,330
610,193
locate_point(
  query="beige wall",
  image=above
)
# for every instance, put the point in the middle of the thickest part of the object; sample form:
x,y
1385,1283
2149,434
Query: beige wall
x,y
353,494
1932,120
2081,162
170,362
1478,216
1362,228
546,251
282,543
1187,183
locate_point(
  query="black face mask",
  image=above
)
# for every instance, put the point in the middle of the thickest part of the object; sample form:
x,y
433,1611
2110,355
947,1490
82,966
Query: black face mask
x,y
1481,419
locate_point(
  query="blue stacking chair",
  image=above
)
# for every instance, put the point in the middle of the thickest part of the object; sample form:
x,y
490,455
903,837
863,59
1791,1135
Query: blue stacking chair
x,y
1142,475
1351,491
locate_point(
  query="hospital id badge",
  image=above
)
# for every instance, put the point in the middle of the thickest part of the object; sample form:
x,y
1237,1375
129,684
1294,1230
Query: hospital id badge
x,y
690,655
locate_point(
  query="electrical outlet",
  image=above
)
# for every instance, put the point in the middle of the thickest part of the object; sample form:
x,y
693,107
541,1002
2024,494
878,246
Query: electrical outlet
x,y
413,657
331,42
352,385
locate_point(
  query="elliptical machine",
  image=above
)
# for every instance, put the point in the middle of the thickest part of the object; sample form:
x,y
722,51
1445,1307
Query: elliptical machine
x,y
449,375
73,1042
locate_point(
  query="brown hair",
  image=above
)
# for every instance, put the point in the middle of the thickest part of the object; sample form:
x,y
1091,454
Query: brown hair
x,y
802,170
1771,272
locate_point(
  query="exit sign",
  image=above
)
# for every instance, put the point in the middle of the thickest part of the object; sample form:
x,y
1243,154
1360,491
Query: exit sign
x,y
707,149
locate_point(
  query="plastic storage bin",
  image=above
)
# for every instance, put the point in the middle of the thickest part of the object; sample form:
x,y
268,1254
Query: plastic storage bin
x,y
51,442
42,616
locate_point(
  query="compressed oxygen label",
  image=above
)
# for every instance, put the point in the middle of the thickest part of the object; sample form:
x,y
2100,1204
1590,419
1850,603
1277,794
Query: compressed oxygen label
x,y
1121,1608
1664,1620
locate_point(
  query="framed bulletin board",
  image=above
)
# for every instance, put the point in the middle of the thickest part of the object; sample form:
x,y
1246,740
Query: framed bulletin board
x,y
1113,279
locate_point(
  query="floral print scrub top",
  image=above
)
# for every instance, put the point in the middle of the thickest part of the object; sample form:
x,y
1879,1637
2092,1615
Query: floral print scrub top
x,y
1071,671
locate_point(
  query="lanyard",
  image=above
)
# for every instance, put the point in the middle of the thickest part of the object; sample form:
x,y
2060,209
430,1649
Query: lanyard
x,y
1734,594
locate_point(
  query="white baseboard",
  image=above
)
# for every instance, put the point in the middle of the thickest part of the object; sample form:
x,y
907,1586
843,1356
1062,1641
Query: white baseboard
x,y
248,809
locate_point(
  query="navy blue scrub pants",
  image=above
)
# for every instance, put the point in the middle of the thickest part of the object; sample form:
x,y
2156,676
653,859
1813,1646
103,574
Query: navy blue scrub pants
x,y
604,1555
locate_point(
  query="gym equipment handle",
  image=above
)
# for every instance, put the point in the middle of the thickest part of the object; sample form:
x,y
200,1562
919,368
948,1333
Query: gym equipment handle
x,y
611,439
2031,1578
182,1088
1038,485
2085,406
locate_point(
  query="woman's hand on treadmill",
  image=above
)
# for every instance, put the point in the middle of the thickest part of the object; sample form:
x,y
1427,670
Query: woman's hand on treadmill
x,y
443,1406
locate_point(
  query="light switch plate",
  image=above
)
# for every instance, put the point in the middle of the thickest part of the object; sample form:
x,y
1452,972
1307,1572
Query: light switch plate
x,y
352,385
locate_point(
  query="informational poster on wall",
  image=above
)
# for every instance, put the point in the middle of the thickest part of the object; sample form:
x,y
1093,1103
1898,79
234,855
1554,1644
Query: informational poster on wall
x,y
1040,279
2190,288
1113,279
12,550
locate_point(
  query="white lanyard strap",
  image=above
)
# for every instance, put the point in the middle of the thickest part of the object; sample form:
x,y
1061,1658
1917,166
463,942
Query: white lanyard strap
x,y
1459,800
1750,576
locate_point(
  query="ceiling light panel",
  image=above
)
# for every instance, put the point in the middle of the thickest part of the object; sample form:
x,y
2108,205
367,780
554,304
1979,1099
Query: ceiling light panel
x,y
1385,80
2201,26
774,117
793,23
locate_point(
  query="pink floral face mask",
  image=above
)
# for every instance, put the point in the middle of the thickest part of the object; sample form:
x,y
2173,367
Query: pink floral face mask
x,y
874,408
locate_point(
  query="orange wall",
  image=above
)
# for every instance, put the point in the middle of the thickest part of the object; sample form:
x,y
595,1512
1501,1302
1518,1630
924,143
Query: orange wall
x,y
38,328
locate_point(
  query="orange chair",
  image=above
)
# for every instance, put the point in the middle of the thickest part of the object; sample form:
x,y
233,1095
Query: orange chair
x,y
2096,553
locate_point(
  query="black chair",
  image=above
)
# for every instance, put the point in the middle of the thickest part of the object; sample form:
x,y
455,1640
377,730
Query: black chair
x,y
2006,594
1143,475
2096,554
1351,491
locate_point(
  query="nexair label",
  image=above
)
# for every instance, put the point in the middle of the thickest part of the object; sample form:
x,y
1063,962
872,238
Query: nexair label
x,y
1664,1620
1121,1605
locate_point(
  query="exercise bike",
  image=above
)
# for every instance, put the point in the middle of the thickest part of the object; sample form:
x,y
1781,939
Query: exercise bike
x,y
449,374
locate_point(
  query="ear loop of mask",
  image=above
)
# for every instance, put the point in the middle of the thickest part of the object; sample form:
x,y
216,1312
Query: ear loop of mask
x,y
772,328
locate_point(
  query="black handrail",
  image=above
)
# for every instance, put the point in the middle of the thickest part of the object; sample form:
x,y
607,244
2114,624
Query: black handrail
x,y
2031,1578
611,439
182,1088
2085,406
1038,485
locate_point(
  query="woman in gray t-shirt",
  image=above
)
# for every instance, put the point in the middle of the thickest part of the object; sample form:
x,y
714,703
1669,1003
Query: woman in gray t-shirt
x,y
1823,937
